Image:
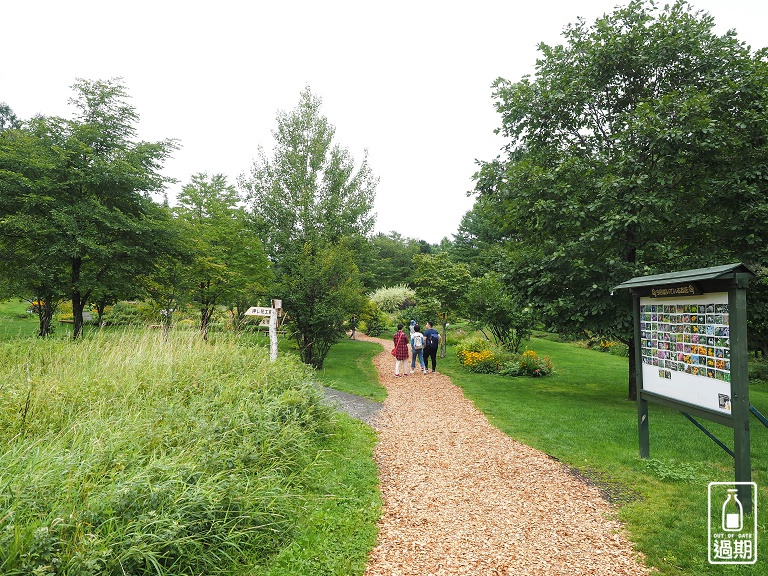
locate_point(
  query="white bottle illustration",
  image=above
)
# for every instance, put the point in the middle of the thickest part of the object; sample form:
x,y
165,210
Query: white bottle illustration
x,y
733,513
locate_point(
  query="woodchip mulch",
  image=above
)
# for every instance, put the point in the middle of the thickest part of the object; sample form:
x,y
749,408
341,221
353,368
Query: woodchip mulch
x,y
460,497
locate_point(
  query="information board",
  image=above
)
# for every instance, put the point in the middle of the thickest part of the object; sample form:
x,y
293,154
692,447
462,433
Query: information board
x,y
686,349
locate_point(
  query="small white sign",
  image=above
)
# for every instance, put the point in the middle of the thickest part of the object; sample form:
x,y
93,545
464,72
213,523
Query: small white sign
x,y
732,528
258,311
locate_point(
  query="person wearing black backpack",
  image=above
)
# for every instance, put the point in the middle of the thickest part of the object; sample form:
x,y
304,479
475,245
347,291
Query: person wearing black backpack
x,y
431,343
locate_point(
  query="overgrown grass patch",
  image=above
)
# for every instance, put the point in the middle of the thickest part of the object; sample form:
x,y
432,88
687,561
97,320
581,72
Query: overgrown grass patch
x,y
125,454
581,416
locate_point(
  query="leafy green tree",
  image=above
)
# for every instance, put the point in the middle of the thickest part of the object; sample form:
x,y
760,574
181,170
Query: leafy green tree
x,y
321,299
80,189
310,190
311,203
228,260
482,240
440,286
32,269
638,147
490,303
8,120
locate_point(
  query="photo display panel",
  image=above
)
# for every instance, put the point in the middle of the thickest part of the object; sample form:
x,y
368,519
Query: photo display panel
x,y
686,352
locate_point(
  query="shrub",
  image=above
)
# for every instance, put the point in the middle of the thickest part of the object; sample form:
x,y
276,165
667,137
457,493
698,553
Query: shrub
x,y
758,370
391,299
478,356
473,344
534,365
373,322
483,362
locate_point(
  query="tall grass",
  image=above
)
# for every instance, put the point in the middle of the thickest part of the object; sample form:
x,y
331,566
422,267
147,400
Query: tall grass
x,y
126,454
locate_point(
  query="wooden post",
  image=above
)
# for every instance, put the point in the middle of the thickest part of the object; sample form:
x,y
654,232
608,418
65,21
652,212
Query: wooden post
x,y
737,307
273,335
643,431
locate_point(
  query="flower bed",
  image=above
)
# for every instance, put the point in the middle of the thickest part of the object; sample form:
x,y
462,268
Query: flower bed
x,y
481,357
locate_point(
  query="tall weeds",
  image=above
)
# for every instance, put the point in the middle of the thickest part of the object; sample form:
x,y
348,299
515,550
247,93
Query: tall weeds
x,y
127,454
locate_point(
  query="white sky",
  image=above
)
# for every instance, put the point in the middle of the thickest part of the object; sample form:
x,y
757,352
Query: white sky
x,y
407,80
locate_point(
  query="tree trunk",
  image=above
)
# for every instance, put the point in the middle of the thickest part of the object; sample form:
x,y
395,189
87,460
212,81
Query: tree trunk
x,y
100,311
77,314
45,315
205,316
443,340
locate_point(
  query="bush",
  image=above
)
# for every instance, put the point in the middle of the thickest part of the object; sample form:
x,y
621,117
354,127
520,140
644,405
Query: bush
x,y
483,362
758,370
128,314
373,321
534,365
394,298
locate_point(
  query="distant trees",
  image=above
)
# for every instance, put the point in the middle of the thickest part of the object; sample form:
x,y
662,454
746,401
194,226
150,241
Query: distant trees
x,y
640,146
309,202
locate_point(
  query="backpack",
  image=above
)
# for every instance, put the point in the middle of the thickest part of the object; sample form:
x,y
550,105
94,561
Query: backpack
x,y
418,341
432,340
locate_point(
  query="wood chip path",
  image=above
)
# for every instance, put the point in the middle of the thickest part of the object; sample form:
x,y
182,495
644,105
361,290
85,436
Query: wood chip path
x,y
461,497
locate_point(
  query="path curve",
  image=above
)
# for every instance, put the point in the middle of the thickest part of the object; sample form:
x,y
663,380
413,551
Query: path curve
x,y
461,497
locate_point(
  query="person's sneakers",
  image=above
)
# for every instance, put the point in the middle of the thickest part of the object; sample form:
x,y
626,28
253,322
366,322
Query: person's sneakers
x,y
397,375
423,370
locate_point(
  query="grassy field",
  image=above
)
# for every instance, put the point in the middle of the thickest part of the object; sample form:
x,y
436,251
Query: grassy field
x,y
123,453
15,322
582,417
349,368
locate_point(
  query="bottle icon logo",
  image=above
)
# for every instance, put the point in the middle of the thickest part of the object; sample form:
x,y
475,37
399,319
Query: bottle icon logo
x,y
732,533
733,512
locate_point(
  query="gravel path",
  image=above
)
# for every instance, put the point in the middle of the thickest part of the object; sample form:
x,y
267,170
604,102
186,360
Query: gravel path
x,y
460,497
363,409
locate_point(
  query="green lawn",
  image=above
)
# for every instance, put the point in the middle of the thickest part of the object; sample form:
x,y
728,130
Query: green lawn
x,y
581,416
349,368
14,320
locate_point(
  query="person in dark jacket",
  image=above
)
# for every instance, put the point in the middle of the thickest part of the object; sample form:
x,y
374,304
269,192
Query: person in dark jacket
x,y
431,343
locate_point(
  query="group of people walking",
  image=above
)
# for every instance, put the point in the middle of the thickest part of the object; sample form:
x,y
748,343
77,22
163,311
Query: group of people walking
x,y
423,346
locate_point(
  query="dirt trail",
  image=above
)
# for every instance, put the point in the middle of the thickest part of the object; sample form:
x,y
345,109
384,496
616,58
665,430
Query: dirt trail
x,y
460,497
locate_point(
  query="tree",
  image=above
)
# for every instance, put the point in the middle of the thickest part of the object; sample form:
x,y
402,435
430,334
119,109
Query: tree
x,y
440,281
32,267
80,189
490,303
309,203
8,120
228,260
321,298
310,190
639,147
